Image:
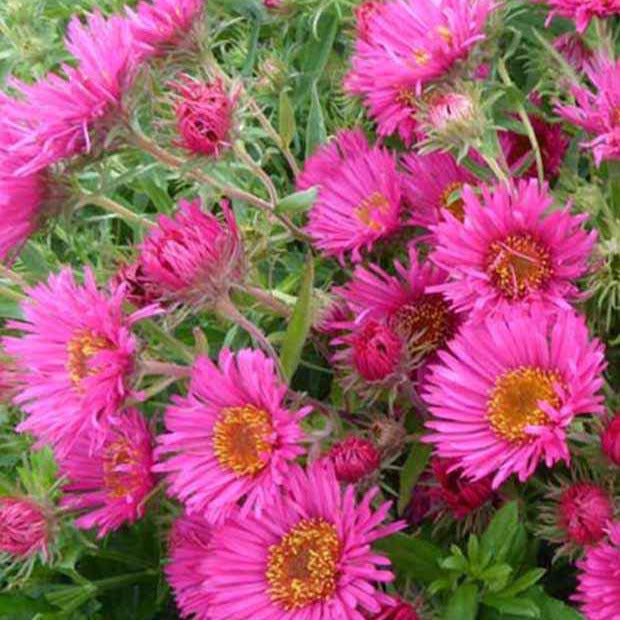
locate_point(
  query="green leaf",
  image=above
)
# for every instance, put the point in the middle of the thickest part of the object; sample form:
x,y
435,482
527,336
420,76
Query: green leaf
x,y
297,202
551,608
510,605
413,557
299,325
286,119
498,537
316,133
16,604
250,59
463,604
34,261
525,582
413,467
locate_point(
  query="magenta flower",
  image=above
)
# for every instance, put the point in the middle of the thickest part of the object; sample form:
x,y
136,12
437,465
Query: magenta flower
x,y
598,112
354,458
75,358
434,182
230,439
503,395
610,440
582,11
599,581
574,50
359,195
406,45
204,116
193,257
111,482
310,556
584,511
58,114
162,23
511,250
395,316
188,544
24,527
397,610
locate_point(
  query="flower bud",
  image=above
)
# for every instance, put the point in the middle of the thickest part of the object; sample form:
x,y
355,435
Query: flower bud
x,y
584,511
24,527
399,611
610,440
354,458
376,351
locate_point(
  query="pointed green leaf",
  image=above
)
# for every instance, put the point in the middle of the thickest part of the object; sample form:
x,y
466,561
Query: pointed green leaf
x,y
463,604
413,467
316,133
413,557
286,119
297,202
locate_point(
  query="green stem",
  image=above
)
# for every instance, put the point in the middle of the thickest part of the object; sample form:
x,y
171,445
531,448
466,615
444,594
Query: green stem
x,y
116,208
184,352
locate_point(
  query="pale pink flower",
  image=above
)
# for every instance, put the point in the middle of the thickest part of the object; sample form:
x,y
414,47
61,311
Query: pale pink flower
x,y
110,483
511,249
74,359
231,439
504,394
24,527
310,556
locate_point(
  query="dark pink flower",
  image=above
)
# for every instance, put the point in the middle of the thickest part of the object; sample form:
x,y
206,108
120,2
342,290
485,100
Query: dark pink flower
x,y
375,350
204,116
397,610
584,511
582,11
364,13
574,50
24,527
354,458
610,440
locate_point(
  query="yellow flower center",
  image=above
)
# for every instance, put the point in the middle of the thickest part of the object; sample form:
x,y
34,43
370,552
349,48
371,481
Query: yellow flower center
x,y
421,56
241,439
454,205
424,325
84,345
118,459
518,265
372,207
445,34
513,402
303,567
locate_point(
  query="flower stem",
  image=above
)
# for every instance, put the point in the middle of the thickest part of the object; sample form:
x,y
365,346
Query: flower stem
x,y
116,208
265,299
13,277
154,367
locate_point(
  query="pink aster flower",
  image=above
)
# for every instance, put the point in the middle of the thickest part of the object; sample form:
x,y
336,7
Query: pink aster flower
x,y
598,112
574,50
75,358
397,610
111,482
310,556
504,394
354,458
359,195
511,250
395,316
162,23
230,439
582,11
610,440
584,510
434,182
552,142
193,257
59,114
599,581
188,545
204,116
24,527
406,45
364,13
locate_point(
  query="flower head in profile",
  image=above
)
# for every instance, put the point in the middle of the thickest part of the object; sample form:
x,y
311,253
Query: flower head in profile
x,y
231,439
359,195
310,556
140,291
188,545
574,50
397,610
610,440
582,11
503,395
510,250
354,458
111,482
24,528
404,46
598,591
597,110
399,324
162,23
204,116
193,257
434,182
74,358
61,115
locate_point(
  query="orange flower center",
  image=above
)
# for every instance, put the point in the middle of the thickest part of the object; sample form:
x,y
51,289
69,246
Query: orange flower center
x,y
615,116
424,325
303,567
445,34
421,56
119,461
518,265
370,210
452,204
241,439
513,403
81,348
